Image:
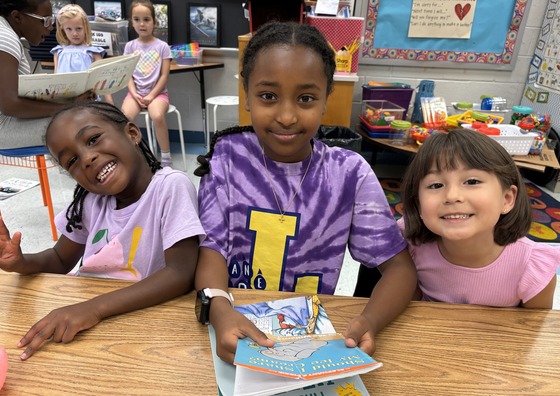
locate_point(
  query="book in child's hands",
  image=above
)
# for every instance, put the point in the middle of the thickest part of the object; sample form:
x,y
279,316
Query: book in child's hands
x,y
295,362
297,316
105,76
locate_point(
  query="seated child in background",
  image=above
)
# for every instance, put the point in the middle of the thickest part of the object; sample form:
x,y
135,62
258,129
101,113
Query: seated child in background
x,y
124,222
466,214
280,207
75,52
148,85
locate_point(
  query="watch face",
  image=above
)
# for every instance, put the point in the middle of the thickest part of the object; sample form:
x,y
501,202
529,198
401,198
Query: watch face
x,y
202,307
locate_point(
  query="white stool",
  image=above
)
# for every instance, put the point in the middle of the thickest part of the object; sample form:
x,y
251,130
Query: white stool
x,y
217,101
151,132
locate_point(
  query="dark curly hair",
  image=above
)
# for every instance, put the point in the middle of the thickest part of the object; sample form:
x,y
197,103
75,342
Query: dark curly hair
x,y
109,113
291,34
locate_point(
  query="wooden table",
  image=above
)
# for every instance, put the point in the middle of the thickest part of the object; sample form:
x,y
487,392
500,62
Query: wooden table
x,y
431,349
535,162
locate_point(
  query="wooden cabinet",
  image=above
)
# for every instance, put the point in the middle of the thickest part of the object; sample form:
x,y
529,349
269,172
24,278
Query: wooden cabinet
x,y
339,103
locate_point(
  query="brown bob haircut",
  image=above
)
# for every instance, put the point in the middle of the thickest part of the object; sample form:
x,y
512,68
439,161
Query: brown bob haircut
x,y
474,150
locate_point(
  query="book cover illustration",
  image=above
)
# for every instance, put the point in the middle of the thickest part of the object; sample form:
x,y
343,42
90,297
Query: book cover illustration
x,y
289,317
105,76
225,377
304,357
290,321
14,185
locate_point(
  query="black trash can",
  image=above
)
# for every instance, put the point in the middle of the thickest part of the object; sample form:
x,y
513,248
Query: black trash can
x,y
340,136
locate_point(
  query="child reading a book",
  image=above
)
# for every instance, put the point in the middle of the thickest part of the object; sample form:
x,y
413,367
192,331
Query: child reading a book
x,y
280,207
466,214
147,88
75,52
23,121
122,222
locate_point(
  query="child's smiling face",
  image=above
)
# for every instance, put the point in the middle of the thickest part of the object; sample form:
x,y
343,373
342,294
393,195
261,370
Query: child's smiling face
x,y
103,157
287,96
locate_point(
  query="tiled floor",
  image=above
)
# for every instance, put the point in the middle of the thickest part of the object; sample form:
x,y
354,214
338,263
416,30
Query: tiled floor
x,y
26,213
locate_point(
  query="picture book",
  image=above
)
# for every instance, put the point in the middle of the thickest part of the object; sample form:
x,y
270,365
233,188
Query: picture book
x,y
295,361
105,76
225,377
282,319
14,185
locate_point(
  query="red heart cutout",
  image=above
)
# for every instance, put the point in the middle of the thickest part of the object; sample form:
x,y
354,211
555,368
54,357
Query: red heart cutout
x,y
462,11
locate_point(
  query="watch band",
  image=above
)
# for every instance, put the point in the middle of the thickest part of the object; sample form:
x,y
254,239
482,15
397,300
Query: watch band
x,y
219,293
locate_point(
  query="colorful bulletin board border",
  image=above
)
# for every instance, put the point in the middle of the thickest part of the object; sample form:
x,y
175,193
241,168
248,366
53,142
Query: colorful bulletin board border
x,y
493,51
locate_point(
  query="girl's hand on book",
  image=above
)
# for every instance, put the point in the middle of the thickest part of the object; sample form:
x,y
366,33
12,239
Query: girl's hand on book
x,y
10,248
359,334
232,326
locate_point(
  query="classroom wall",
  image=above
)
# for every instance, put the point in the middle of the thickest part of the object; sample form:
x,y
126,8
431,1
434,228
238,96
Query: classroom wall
x,y
454,84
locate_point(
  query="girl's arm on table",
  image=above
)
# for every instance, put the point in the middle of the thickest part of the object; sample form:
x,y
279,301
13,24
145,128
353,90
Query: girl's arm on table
x,y
174,280
389,298
229,324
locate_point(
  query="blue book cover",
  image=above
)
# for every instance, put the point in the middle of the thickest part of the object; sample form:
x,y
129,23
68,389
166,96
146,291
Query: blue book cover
x,y
304,357
282,320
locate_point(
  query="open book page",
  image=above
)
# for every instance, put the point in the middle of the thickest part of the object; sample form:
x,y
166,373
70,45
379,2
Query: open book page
x,y
105,76
110,75
289,317
281,319
225,378
14,185
296,362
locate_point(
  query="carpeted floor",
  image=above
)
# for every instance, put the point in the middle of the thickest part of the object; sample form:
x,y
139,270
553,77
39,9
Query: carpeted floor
x,y
546,210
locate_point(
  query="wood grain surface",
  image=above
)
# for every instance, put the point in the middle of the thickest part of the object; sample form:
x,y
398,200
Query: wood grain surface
x,y
431,349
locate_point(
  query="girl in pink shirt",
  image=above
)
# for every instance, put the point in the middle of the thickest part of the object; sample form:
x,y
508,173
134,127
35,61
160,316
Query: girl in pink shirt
x,y
466,216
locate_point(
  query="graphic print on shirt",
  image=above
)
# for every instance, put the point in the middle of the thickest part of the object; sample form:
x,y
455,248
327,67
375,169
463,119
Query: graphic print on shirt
x,y
149,62
109,260
264,269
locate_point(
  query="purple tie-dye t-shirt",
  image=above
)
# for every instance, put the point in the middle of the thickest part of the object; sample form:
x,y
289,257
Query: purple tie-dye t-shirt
x,y
340,202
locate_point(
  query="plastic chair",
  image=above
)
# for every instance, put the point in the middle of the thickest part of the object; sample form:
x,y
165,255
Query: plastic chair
x,y
217,101
21,158
151,132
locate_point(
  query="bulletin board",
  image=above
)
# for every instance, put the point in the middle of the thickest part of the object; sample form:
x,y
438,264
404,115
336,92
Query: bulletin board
x,y
542,88
497,29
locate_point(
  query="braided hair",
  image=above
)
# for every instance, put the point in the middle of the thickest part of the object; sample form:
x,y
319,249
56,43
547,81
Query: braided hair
x,y
289,34
7,6
268,35
109,113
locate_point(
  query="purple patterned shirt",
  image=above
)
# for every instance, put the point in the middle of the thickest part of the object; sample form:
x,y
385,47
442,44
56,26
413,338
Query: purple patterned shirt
x,y
340,203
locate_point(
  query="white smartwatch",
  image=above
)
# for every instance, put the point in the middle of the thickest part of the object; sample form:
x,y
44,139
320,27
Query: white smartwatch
x,y
203,300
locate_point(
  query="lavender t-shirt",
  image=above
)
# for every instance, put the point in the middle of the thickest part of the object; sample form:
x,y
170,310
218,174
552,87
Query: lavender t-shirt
x,y
340,203
148,69
130,243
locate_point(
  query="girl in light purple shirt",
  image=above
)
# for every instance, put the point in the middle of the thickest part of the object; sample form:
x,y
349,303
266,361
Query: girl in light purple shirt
x,y
466,216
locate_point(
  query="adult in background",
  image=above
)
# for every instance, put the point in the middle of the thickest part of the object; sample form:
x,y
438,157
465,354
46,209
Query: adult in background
x,y
23,121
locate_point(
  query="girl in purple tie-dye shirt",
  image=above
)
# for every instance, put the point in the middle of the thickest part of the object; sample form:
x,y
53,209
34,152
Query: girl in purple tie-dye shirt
x,y
280,208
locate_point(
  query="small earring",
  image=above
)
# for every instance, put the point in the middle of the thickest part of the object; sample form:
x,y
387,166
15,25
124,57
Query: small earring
x,y
505,211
